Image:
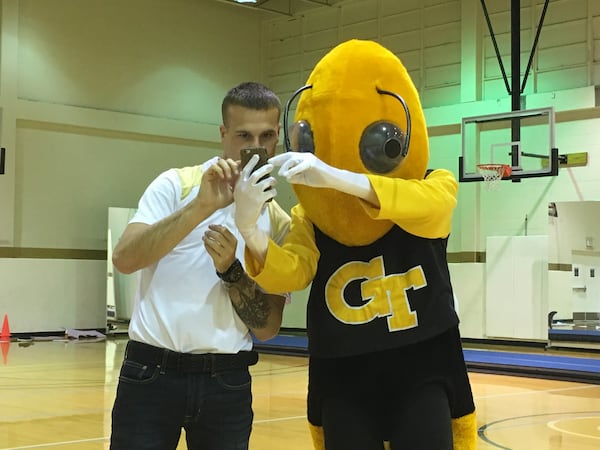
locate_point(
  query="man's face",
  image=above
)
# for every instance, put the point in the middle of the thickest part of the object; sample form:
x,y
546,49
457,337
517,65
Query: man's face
x,y
249,128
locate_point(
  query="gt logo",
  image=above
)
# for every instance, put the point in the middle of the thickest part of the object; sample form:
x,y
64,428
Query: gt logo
x,y
383,295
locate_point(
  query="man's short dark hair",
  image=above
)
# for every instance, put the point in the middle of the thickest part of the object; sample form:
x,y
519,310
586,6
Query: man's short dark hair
x,y
250,95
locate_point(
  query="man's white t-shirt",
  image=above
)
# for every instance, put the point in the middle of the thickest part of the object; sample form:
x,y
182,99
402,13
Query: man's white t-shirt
x,y
181,304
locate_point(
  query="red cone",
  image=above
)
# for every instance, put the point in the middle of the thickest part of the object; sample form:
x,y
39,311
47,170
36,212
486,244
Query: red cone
x,y
4,345
5,333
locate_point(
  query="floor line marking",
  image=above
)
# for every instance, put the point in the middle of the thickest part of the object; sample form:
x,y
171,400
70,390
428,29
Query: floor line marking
x,y
543,391
552,425
52,444
106,438
280,419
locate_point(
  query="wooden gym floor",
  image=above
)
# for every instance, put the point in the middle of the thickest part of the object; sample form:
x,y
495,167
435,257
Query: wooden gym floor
x,y
59,394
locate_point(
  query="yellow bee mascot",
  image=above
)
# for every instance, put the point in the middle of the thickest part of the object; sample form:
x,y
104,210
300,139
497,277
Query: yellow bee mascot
x,y
370,233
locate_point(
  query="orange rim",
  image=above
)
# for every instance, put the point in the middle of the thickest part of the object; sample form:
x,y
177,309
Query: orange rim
x,y
506,169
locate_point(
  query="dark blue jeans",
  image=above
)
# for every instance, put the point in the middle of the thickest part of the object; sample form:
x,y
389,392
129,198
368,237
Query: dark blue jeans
x,y
155,402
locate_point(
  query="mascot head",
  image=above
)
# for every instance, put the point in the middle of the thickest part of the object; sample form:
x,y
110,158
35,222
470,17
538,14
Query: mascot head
x,y
359,111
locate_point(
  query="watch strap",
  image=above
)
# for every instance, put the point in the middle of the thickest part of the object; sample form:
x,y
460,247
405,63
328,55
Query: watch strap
x,y
233,273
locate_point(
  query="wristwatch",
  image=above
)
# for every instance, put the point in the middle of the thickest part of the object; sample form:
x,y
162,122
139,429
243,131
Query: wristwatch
x,y
233,273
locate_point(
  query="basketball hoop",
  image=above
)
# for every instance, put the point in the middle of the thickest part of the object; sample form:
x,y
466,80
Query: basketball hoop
x,y
493,173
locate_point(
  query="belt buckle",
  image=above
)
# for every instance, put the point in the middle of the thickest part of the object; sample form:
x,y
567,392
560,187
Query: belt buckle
x,y
210,362
179,363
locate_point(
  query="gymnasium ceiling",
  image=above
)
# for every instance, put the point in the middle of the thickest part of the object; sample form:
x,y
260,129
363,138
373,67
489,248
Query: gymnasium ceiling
x,y
282,7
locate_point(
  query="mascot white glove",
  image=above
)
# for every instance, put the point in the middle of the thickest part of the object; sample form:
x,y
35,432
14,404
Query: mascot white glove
x,y
252,191
307,169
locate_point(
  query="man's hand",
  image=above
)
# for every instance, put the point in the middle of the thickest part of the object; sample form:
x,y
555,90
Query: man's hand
x,y
216,186
260,312
220,244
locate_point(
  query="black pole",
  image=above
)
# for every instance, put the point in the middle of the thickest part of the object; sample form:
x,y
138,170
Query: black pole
x,y
515,54
515,91
2,160
496,49
534,46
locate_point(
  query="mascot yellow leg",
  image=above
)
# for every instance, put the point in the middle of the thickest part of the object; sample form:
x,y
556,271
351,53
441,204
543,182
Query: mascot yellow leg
x,y
317,436
464,434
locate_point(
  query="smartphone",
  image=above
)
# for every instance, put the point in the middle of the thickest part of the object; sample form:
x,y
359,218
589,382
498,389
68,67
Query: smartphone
x,y
246,154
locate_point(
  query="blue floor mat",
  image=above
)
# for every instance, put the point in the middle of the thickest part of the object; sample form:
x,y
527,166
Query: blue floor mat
x,y
299,342
528,359
574,334
568,368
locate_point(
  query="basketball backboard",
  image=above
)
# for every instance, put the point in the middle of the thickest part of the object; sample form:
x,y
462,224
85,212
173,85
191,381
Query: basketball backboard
x,y
523,140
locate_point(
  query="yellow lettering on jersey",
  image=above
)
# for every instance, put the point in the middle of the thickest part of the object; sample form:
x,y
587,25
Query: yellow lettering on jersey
x,y
383,295
334,290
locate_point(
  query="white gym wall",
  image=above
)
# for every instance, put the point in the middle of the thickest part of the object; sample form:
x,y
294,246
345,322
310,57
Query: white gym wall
x,y
98,97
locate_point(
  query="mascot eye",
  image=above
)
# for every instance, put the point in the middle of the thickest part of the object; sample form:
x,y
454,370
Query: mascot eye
x,y
382,147
301,137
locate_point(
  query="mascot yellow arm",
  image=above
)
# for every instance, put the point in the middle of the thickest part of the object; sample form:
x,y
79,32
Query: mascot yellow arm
x,y
421,207
292,266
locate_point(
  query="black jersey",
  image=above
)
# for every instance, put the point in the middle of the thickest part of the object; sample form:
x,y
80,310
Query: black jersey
x,y
391,293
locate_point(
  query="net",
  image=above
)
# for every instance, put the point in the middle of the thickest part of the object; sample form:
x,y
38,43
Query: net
x,y
493,173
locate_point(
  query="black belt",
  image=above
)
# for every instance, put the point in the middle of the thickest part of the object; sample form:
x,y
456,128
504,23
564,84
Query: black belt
x,y
189,362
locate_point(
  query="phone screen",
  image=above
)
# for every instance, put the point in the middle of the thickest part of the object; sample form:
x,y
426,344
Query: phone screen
x,y
246,154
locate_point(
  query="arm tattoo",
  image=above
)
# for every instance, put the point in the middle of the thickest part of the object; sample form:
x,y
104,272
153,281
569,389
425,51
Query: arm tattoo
x,y
251,304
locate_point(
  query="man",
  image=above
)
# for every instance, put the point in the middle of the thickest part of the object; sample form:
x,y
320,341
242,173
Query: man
x,y
186,364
